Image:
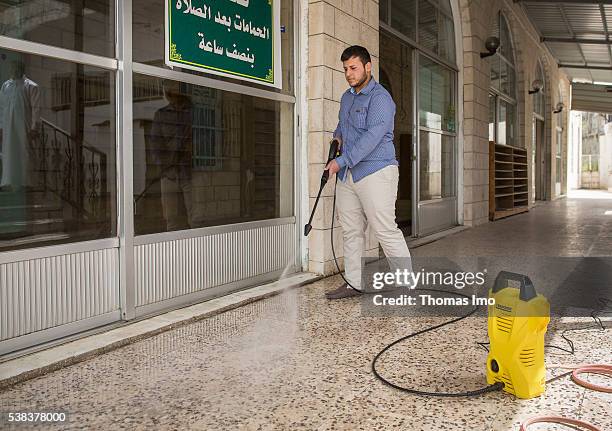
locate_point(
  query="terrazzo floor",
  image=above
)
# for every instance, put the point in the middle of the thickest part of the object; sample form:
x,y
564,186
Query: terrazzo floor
x,y
298,362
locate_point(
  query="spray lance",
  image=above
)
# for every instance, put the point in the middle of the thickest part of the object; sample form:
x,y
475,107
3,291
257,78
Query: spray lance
x,y
334,151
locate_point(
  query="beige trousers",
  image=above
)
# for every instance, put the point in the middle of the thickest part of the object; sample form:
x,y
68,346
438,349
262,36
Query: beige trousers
x,y
176,203
371,201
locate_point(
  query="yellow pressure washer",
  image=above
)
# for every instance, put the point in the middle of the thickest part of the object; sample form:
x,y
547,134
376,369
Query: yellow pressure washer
x,y
518,320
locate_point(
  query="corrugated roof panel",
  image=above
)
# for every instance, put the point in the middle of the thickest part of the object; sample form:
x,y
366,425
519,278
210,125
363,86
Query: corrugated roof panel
x,y
580,74
608,13
584,18
547,18
565,52
591,98
596,53
602,76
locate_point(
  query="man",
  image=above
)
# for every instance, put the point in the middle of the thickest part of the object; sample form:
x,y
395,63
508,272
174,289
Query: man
x,y
171,142
367,168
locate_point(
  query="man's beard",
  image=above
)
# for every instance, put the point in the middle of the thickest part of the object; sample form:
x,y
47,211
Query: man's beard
x,y
361,81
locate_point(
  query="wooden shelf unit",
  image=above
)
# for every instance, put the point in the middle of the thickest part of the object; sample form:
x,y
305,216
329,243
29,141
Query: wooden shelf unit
x,y
508,184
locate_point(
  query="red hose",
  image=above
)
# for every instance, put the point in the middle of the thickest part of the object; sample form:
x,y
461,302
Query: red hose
x,y
557,420
595,369
582,369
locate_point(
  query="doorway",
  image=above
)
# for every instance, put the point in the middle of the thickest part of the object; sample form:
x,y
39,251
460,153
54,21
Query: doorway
x,y
538,159
396,72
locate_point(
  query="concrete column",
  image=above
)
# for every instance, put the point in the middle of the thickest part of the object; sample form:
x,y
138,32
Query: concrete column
x,y
333,26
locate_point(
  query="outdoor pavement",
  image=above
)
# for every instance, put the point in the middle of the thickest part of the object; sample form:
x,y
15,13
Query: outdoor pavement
x,y
296,361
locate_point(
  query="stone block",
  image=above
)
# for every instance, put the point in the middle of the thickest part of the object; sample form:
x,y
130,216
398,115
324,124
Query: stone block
x,y
225,178
339,85
369,38
221,193
371,16
320,18
346,27
318,146
330,115
315,115
320,83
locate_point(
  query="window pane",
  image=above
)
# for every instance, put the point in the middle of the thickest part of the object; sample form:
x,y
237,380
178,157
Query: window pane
x,y
507,124
403,17
84,26
383,10
57,152
446,36
495,63
437,164
206,157
538,103
428,26
502,123
508,85
505,41
436,96
148,42
492,108
558,157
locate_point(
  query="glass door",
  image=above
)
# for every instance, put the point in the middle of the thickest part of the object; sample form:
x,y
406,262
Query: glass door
x,y
437,148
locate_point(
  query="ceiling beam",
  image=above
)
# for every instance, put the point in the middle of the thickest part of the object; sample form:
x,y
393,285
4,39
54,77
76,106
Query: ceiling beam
x,y
584,66
576,40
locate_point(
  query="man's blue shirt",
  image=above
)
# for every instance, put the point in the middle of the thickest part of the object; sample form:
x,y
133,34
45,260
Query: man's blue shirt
x,y
366,122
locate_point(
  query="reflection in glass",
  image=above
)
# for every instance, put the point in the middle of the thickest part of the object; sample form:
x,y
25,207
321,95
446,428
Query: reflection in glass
x,y
57,152
436,96
396,76
495,64
84,26
148,41
506,123
383,10
538,98
558,156
437,164
436,28
206,157
505,48
492,114
428,26
403,17
508,85
446,37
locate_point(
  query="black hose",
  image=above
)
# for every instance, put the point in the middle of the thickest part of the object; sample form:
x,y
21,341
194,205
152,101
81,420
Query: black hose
x,y
491,388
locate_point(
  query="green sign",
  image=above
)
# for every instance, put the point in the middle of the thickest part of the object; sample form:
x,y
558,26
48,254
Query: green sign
x,y
235,38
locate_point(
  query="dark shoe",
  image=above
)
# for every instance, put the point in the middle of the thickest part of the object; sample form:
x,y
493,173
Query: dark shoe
x,y
342,292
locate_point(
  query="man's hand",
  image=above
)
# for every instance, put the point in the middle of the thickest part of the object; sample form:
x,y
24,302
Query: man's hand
x,y
332,167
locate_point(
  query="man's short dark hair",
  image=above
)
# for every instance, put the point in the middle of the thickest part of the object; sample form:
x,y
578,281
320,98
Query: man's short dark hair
x,y
356,51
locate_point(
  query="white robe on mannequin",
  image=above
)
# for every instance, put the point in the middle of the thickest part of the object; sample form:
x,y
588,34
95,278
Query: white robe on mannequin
x,y
19,116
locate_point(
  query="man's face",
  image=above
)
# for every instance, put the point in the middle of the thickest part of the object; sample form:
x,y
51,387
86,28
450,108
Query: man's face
x,y
355,72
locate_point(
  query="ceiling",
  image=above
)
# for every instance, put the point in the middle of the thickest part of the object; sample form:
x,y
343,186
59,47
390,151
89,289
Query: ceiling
x,y
578,34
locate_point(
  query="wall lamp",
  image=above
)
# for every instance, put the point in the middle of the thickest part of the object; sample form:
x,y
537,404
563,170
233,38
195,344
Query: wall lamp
x,y
559,108
536,86
491,44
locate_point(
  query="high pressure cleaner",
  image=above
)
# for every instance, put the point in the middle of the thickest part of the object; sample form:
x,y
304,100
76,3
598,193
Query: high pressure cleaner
x,y
517,324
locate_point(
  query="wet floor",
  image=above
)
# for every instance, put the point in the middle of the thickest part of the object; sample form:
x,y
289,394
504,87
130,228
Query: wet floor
x,y
298,362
